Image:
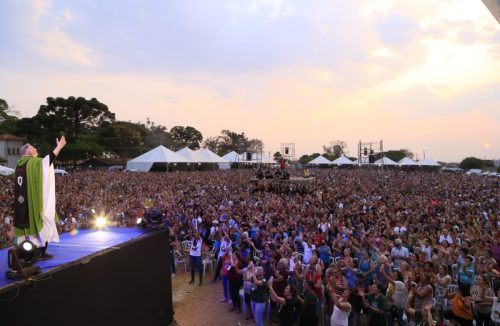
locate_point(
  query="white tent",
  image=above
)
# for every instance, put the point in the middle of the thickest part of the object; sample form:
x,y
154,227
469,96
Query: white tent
x,y
6,170
60,172
211,157
342,160
266,159
405,161
320,160
249,157
191,156
427,162
160,154
232,157
385,161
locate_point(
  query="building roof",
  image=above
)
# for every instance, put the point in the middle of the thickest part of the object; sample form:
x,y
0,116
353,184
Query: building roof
x,y
10,137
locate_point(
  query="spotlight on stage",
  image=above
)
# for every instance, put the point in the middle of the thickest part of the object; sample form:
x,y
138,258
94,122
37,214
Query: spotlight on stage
x,y
100,222
20,260
141,223
152,220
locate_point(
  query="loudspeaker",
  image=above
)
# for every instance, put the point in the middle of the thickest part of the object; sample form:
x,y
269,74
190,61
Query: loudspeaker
x,y
371,158
249,156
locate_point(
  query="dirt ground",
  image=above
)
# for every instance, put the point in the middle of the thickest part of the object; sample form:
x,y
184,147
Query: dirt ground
x,y
200,306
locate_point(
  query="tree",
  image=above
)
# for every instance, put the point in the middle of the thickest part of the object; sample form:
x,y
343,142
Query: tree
x,y
8,118
472,163
232,141
185,137
255,145
73,116
80,149
396,155
304,159
336,149
124,139
277,156
213,144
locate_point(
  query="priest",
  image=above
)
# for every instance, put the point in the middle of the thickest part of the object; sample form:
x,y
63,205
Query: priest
x,y
35,198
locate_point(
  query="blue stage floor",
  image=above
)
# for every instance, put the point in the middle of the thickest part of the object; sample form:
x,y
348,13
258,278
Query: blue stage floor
x,y
71,248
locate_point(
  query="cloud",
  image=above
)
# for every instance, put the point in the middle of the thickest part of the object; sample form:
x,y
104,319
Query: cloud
x,y
398,30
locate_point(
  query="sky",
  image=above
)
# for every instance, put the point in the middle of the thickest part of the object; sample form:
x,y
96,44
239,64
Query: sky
x,y
421,75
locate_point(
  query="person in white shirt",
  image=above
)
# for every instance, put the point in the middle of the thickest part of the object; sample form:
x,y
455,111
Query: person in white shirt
x,y
195,257
399,229
225,244
445,236
308,249
426,248
399,253
324,225
341,306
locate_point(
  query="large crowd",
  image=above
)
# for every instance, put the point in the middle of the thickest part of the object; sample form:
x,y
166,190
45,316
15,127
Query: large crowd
x,y
367,247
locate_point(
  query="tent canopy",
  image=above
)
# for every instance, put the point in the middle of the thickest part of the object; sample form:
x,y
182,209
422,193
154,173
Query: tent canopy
x,y
405,161
427,162
5,170
210,156
342,160
232,157
160,154
320,160
191,156
385,161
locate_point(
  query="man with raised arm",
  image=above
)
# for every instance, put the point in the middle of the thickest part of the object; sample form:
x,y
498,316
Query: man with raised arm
x,y
35,198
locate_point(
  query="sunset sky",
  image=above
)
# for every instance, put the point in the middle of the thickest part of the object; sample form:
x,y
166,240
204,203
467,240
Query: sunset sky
x,y
417,74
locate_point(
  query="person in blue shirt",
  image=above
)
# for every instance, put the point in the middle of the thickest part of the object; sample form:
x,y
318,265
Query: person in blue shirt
x,y
467,271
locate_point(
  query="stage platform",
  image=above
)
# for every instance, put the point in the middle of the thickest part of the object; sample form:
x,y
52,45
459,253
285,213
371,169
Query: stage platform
x,y
114,276
72,248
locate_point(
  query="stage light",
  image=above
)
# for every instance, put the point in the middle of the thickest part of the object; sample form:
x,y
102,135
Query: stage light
x,y
28,246
100,222
20,260
141,222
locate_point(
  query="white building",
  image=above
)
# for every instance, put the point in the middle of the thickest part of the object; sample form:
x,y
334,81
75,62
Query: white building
x,y
9,149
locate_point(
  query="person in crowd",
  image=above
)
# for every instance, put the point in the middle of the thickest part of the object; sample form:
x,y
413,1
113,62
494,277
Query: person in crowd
x,y
481,307
342,307
443,281
397,295
195,260
172,249
467,271
376,305
423,294
234,276
258,295
287,303
461,305
308,303
226,266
